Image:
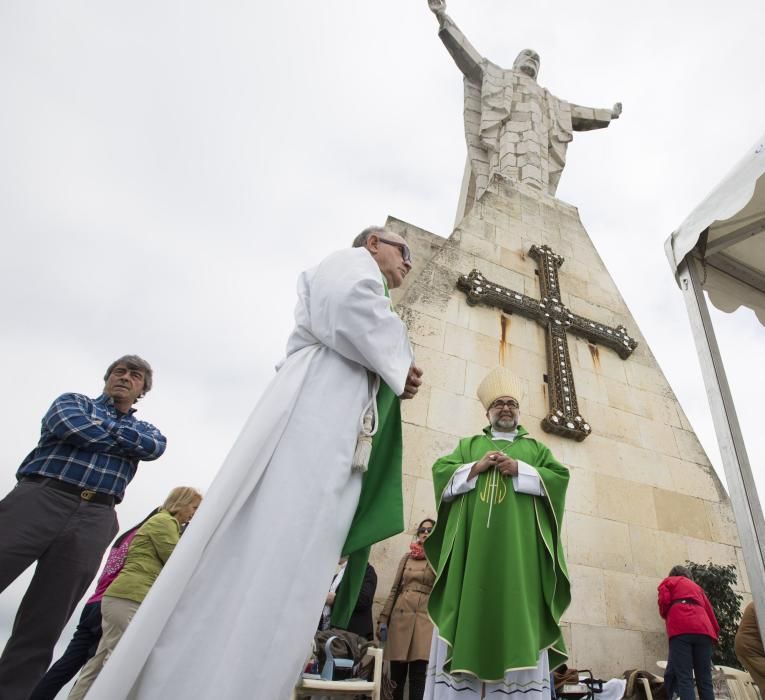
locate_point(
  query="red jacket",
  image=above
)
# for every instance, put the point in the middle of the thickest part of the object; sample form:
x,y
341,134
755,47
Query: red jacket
x,y
686,618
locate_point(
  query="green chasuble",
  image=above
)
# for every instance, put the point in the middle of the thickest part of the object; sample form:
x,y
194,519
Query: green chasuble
x,y
380,513
502,582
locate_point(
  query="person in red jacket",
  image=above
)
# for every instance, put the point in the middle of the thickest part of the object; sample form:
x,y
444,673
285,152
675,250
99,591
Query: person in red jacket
x,y
692,630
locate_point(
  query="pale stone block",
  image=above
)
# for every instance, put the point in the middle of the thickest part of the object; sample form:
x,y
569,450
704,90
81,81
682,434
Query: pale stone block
x,y
692,479
684,515
431,295
574,270
588,602
424,330
468,344
422,447
455,261
590,311
479,228
602,361
590,386
570,284
415,410
581,496
440,370
655,648
596,454
458,311
656,552
624,397
689,447
531,287
659,436
524,332
704,552
608,298
647,378
601,543
586,253
424,501
641,464
486,320
480,248
510,241
625,501
534,403
526,365
722,524
474,375
500,219
610,422
606,651
658,408
501,276
456,415
631,601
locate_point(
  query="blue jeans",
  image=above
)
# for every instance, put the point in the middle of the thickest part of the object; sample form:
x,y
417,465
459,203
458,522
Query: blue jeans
x,y
691,654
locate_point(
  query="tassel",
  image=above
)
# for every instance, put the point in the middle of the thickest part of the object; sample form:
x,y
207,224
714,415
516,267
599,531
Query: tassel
x,y
363,446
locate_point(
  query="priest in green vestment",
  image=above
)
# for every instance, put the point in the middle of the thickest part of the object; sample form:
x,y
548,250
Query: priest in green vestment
x,y
502,582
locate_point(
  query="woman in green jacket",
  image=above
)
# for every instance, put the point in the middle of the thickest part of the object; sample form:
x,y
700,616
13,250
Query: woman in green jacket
x,y
150,549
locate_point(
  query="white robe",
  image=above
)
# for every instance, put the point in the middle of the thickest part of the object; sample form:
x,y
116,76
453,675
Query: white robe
x,y
233,613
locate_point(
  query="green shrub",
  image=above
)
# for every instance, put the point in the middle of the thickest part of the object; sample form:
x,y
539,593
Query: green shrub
x,y
717,582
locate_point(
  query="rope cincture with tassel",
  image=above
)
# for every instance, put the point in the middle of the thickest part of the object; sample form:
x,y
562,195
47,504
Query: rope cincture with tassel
x,y
369,422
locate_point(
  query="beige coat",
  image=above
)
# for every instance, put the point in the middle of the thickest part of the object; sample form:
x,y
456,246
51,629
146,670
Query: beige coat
x,y
406,612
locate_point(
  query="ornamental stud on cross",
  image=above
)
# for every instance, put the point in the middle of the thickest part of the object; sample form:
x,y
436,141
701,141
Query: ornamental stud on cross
x,y
564,417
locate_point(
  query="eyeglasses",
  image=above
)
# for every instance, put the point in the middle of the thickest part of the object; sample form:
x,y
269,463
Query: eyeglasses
x,y
424,530
512,403
406,254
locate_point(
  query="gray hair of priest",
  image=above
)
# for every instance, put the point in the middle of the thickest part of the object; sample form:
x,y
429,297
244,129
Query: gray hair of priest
x,y
361,240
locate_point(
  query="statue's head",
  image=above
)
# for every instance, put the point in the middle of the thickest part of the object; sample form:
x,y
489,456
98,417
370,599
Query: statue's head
x,y
528,63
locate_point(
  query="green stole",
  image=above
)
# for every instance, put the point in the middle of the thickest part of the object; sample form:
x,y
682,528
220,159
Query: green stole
x,y
380,512
501,577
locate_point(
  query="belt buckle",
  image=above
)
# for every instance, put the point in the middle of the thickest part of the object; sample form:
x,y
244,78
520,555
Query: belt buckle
x,y
87,495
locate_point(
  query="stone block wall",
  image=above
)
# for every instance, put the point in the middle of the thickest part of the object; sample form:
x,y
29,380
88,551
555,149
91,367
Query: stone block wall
x,y
642,496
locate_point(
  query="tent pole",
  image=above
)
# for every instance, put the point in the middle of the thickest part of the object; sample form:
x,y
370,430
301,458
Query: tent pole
x,y
743,493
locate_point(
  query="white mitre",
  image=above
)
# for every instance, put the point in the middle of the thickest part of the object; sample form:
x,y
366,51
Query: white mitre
x,y
499,382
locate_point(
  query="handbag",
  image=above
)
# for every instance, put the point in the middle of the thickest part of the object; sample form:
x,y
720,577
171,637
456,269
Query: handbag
x,y
339,653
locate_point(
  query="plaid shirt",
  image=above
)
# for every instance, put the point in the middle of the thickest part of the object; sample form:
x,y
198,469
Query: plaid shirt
x,y
89,443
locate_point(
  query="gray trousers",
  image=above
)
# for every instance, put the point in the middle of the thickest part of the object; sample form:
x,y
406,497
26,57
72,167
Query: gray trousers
x,y
67,537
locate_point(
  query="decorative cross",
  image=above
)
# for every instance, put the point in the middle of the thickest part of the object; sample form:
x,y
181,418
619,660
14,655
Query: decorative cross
x,y
564,417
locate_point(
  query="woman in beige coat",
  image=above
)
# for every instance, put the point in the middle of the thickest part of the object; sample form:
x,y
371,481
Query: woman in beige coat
x,y
405,616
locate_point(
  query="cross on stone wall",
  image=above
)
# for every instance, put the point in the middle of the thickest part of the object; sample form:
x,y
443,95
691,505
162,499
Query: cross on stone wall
x,y
564,418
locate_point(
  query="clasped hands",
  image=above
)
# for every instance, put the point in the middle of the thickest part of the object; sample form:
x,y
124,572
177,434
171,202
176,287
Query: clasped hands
x,y
507,466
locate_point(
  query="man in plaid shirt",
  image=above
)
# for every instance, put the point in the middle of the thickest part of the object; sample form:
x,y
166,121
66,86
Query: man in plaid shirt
x,y
61,512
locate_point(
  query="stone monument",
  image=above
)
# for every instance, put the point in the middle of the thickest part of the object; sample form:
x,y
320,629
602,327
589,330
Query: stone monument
x,y
519,283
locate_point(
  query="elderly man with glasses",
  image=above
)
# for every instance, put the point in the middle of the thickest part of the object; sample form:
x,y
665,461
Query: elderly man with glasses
x,y
234,611
501,578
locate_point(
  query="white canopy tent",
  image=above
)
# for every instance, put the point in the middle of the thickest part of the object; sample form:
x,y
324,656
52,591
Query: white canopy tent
x,y
720,249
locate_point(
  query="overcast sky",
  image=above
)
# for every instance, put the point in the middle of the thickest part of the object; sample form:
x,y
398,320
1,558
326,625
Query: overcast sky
x,y
168,168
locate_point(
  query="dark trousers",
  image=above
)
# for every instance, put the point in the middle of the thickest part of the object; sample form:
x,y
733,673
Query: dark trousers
x,y
82,647
67,537
416,671
691,654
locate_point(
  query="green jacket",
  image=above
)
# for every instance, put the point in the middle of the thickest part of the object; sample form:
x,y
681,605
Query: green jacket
x,y
502,583
152,545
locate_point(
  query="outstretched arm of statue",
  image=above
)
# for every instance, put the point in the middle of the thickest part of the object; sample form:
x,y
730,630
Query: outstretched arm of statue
x,y
589,118
468,60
